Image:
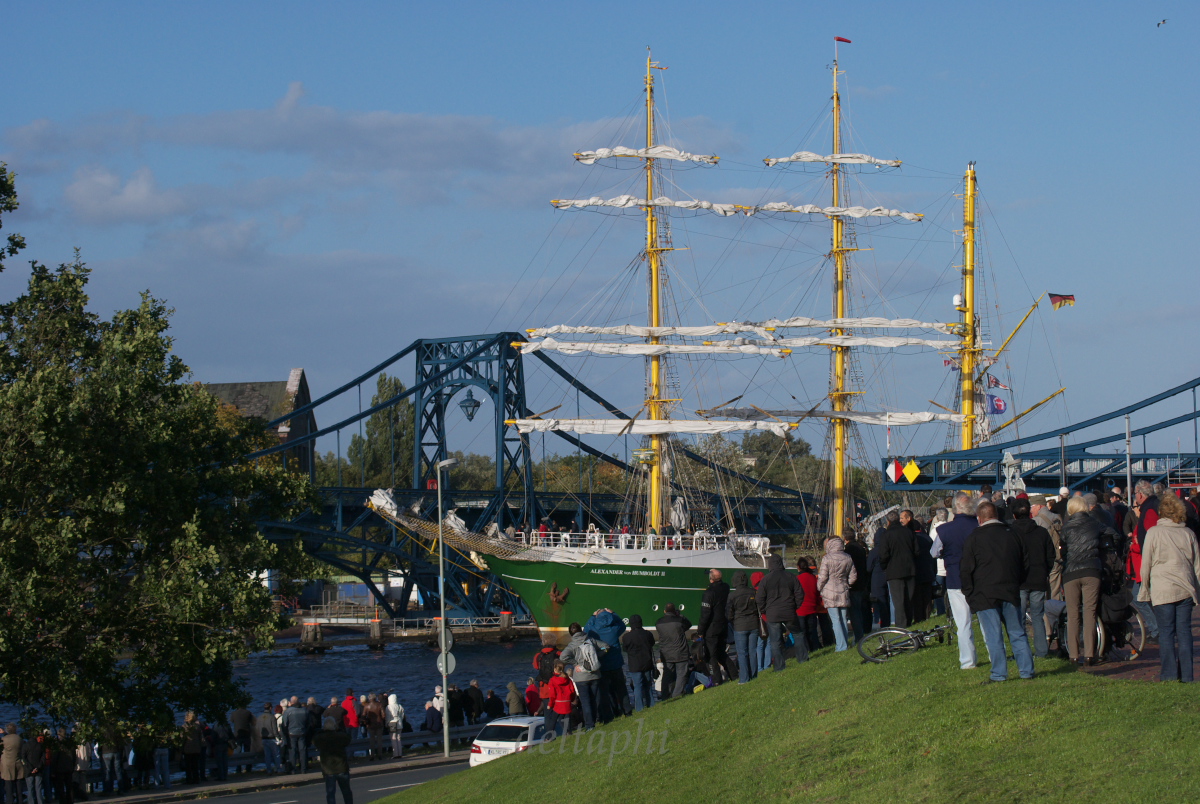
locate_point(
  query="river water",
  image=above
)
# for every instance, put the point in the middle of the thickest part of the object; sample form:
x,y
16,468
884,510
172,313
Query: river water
x,y
409,670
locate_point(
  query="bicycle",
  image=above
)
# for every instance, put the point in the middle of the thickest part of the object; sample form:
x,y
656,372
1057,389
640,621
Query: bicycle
x,y
879,646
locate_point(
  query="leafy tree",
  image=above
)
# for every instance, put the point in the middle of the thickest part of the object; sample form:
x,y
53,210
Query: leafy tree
x,y
326,472
8,203
384,456
130,560
473,473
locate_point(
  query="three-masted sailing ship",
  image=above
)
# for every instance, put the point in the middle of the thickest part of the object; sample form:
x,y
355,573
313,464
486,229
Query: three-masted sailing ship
x,y
649,563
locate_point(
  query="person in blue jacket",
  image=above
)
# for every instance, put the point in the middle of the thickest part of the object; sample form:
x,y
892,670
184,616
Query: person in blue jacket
x,y
607,627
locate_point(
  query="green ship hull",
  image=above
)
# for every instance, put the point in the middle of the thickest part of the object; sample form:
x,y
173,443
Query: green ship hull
x,y
558,593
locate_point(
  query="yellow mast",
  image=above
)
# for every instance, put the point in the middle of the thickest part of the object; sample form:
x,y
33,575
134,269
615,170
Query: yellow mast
x,y
969,349
838,394
654,402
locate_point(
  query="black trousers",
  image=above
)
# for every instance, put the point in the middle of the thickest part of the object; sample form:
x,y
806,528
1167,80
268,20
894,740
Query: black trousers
x,y
718,656
902,591
922,600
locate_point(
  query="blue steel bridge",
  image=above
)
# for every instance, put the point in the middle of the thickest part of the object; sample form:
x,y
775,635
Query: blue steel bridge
x,y
1055,458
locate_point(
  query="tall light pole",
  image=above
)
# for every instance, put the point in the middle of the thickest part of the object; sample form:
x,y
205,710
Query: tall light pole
x,y
446,464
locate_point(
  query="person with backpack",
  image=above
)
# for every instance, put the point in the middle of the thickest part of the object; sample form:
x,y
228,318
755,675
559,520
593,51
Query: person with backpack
x,y
562,694
373,720
331,744
639,652
742,612
673,650
583,652
543,664
607,628
514,701
395,725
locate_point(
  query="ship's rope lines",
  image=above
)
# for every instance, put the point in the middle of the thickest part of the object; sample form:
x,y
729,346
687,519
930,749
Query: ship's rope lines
x,y
1057,348
591,243
585,179
776,179
820,121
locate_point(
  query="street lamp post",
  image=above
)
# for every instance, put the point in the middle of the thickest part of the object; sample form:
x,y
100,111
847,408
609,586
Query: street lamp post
x,y
446,464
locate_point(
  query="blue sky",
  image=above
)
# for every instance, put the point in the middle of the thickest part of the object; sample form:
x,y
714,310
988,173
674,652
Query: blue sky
x,y
317,185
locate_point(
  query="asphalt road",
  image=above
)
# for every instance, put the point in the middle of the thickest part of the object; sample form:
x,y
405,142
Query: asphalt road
x,y
366,788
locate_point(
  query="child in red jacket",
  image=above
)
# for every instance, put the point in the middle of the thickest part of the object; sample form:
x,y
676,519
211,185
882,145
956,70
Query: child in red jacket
x,y
812,608
561,696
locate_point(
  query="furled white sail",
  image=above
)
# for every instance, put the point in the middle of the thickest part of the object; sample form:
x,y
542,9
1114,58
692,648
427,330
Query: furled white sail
x,y
852,212
650,349
647,427
899,418
629,201
635,331
855,323
655,152
881,341
840,159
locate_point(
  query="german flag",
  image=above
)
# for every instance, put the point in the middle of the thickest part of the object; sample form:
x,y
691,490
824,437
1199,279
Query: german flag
x,y
1060,302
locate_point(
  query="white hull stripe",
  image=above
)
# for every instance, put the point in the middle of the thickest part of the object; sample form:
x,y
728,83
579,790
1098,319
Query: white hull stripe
x,y
531,580
630,586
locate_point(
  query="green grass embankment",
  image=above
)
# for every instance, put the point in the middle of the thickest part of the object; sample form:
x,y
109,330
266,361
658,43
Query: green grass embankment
x,y
833,729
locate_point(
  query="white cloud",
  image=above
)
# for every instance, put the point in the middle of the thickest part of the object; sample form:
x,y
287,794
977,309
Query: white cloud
x,y
98,196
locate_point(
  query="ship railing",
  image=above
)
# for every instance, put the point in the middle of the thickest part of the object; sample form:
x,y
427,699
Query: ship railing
x,y
429,625
636,541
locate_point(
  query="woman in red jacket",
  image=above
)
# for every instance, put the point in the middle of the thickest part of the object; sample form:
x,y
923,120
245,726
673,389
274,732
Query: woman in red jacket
x,y
812,608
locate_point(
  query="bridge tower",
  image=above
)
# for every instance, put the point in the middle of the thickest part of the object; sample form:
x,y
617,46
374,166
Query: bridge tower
x,y
498,373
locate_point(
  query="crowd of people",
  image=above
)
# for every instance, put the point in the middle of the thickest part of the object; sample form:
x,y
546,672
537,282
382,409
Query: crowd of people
x,y
65,767
1005,561
985,557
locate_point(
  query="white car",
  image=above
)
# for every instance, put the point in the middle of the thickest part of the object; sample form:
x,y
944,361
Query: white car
x,y
506,735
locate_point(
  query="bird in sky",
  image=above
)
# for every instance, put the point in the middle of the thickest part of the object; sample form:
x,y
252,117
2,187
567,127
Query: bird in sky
x,y
1161,24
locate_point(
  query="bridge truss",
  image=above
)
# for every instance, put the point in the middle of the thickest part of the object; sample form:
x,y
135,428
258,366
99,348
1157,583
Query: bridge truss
x,y
1074,465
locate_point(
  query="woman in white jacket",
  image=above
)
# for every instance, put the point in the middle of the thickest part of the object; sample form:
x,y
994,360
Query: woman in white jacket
x,y
395,725
1171,583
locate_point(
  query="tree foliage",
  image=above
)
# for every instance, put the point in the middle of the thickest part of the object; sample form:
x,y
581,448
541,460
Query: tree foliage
x,y
382,457
8,203
130,562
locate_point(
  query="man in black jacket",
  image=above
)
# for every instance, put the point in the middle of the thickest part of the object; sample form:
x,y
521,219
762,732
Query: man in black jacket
x,y
673,649
778,596
638,644
1039,552
898,556
860,590
714,624
993,568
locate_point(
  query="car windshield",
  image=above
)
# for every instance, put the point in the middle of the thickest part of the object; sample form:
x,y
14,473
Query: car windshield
x,y
503,734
